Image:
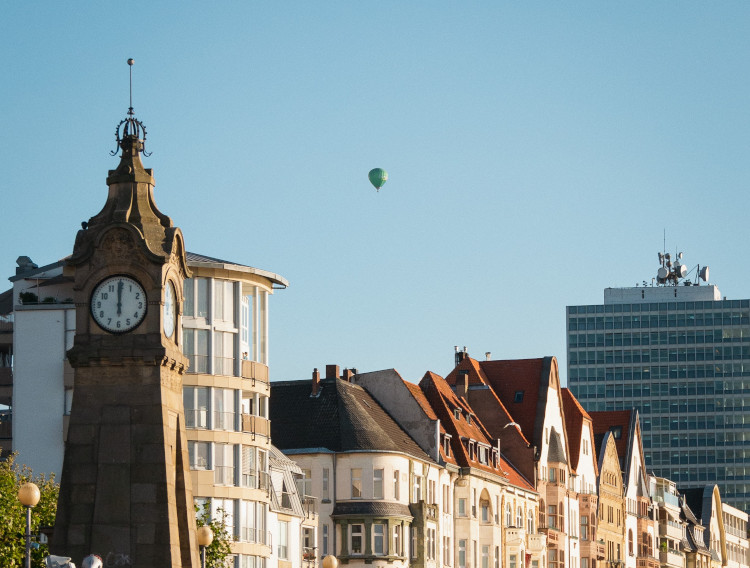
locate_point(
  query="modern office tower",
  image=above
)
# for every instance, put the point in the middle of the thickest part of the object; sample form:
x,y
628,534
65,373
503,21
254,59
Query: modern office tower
x,y
680,354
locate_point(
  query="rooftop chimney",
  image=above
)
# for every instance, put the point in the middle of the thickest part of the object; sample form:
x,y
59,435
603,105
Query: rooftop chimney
x,y
462,384
488,355
332,371
315,382
348,374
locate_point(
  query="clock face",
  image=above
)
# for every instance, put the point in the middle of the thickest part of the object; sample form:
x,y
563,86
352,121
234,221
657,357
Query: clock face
x,y
169,309
118,304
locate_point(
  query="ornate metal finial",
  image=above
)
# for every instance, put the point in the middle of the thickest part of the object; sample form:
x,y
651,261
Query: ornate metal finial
x,y
130,127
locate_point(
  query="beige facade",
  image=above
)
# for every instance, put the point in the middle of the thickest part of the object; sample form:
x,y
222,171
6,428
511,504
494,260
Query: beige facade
x,y
611,529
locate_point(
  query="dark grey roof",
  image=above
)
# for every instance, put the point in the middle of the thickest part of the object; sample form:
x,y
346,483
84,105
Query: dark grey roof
x,y
195,257
342,418
556,453
6,302
694,498
371,509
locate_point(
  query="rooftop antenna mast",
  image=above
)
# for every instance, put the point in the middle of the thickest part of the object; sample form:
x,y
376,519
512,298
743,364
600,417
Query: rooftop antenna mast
x,y
130,67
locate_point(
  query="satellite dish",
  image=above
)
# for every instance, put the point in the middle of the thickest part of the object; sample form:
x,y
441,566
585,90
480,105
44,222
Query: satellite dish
x,y
662,274
704,274
680,269
661,258
679,255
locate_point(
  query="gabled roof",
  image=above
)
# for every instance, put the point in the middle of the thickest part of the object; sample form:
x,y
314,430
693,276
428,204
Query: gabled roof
x,y
343,417
575,416
6,302
506,379
445,404
626,421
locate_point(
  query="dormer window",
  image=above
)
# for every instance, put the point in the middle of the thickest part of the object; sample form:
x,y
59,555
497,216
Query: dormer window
x,y
457,413
468,418
518,397
447,445
616,432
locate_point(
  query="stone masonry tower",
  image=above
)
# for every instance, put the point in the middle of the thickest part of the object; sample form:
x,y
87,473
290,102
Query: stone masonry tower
x,y
125,489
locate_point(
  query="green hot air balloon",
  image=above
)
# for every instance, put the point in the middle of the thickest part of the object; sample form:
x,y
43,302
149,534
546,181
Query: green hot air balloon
x,y
378,177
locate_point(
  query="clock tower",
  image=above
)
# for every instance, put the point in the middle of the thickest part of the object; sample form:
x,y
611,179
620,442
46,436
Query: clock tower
x,y
125,488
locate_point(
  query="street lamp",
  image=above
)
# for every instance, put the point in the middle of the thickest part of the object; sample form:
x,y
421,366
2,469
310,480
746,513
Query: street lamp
x,y
205,537
330,561
28,495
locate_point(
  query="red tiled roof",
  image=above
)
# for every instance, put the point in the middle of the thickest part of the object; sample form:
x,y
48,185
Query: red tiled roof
x,y
575,415
444,402
418,395
506,379
608,419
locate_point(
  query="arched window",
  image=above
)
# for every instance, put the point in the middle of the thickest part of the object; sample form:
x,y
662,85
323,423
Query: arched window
x,y
508,515
519,518
630,542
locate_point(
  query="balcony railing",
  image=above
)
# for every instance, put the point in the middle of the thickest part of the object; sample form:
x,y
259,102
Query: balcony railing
x,y
255,479
258,372
672,557
309,554
256,425
198,363
223,475
258,536
310,506
223,421
196,418
224,366
670,529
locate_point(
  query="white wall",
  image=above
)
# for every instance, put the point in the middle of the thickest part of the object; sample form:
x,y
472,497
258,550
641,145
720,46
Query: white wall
x,y
39,346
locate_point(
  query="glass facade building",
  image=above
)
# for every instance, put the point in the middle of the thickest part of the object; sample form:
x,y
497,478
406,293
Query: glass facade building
x,y
681,356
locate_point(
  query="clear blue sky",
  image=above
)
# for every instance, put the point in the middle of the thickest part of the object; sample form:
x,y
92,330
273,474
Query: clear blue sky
x,y
537,152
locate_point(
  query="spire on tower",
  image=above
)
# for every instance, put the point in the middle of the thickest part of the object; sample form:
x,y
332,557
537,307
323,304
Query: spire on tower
x,y
130,129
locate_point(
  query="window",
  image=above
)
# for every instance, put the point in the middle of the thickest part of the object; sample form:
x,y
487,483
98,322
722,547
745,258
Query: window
x,y
431,544
616,432
283,548
417,489
462,553
530,521
630,543
518,396
396,491
551,558
224,353
355,539
461,507
356,483
224,464
584,527
378,539
486,556
325,540
431,492
304,483
519,517
552,517
474,552
447,550
413,542
223,415
377,484
198,455
552,475
513,563
325,496
195,401
508,515
195,348
484,507
446,499
497,557
309,546
397,541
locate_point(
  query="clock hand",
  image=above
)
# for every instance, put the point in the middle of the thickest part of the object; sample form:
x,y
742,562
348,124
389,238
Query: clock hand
x,y
119,297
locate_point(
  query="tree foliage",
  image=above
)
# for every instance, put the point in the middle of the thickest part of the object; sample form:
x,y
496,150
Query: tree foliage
x,y
219,552
13,514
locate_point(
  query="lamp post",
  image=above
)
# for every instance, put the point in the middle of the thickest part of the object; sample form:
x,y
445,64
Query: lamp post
x,y
330,561
205,537
28,495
